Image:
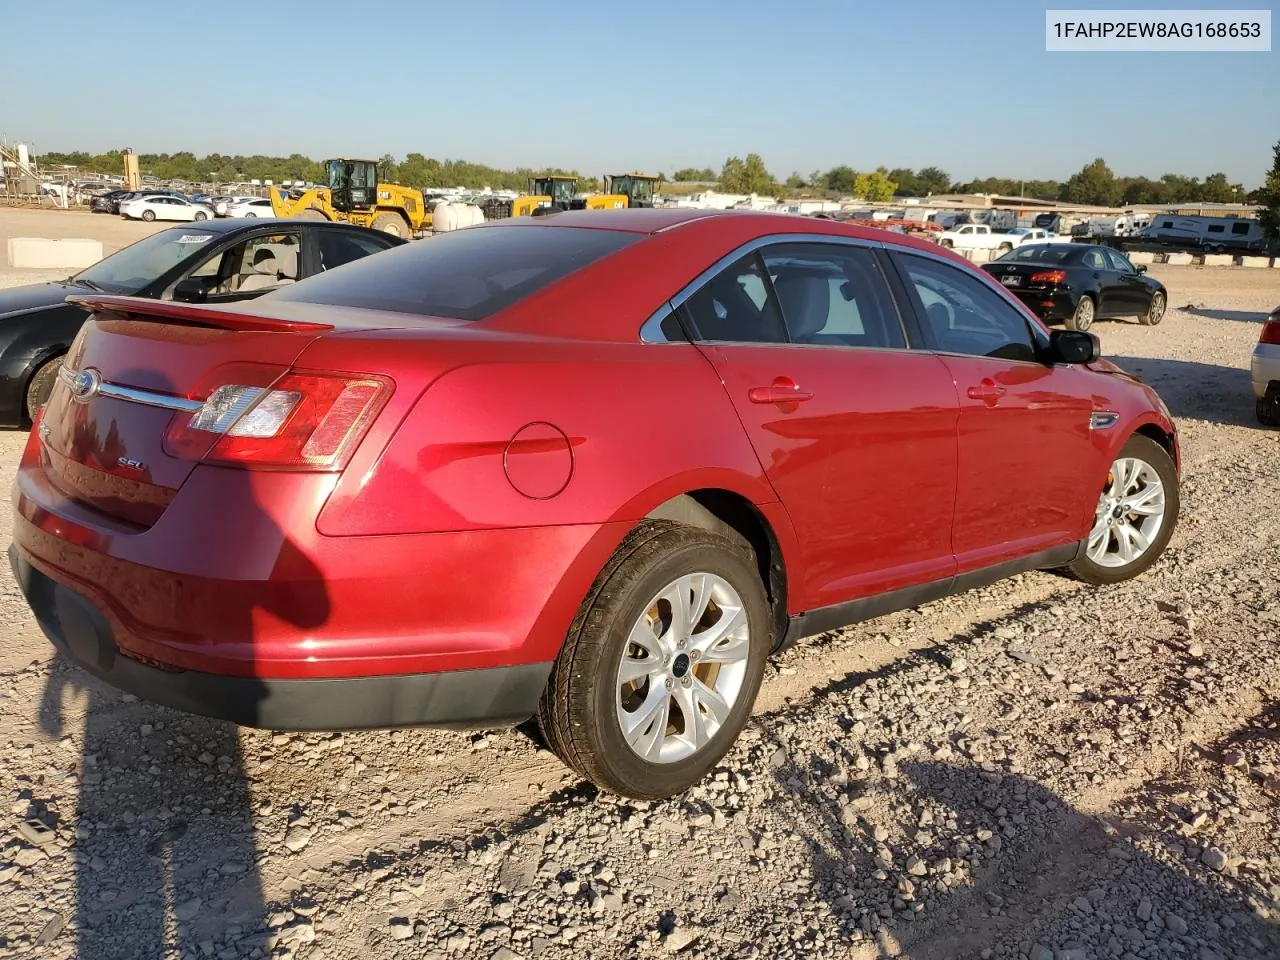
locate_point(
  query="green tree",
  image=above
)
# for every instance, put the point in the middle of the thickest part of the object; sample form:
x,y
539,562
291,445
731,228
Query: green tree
x,y
839,180
1217,189
933,180
1094,184
796,182
875,186
694,175
1269,197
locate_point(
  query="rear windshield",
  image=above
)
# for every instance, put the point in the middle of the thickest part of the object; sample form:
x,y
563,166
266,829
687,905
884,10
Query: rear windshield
x,y
468,274
1041,253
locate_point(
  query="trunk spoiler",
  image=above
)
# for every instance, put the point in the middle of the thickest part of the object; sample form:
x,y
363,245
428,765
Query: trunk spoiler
x,y
208,315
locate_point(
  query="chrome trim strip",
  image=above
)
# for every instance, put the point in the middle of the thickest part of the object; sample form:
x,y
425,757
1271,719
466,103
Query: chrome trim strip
x,y
1103,419
651,329
132,395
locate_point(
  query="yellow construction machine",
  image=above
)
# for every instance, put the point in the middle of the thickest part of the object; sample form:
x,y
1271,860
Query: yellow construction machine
x,y
549,194
355,195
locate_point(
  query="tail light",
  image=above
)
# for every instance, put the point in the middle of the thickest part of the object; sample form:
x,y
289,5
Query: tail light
x,y
1049,277
268,418
1271,330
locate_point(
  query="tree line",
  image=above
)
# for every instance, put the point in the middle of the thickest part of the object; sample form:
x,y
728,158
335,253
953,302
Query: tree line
x,y
1094,184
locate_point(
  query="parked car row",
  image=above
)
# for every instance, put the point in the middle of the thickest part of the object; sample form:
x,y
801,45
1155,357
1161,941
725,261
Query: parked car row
x,y
451,427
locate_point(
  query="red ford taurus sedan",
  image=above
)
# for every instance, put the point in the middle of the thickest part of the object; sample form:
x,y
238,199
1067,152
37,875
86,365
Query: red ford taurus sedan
x,y
593,467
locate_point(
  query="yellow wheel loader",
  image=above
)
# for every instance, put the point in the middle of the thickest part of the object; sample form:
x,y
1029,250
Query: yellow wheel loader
x,y
551,194
355,196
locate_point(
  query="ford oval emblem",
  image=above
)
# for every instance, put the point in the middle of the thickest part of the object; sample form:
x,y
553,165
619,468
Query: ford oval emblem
x,y
85,385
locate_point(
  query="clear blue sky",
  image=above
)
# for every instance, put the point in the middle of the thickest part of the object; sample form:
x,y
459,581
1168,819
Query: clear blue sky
x,y
602,86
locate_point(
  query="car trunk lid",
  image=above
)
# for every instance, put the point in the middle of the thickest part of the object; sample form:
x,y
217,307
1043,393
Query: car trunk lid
x,y
135,366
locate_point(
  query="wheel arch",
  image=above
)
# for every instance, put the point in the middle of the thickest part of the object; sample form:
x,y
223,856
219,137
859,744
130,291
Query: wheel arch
x,y
736,517
1165,438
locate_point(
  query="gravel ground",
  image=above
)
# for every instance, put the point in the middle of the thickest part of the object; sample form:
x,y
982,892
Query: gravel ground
x,y
1035,770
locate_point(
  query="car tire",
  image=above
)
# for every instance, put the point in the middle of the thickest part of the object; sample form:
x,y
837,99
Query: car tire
x,y
393,224
201,216
40,386
1268,408
311,213
1155,312
1083,316
600,682
1142,476
1003,249
251,216
148,215
946,243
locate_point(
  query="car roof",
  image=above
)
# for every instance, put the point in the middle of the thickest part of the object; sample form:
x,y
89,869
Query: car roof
x,y
238,225
657,220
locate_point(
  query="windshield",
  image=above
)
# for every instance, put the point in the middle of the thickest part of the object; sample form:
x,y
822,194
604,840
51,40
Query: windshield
x,y
131,269
639,190
463,275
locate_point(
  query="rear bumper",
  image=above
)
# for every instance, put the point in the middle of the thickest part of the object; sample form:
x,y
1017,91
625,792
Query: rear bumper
x,y
497,696
1046,305
1264,368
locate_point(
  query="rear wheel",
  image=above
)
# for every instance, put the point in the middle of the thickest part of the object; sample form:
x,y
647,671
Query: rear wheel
x,y
148,215
661,667
1135,516
1268,407
1155,312
393,224
201,216
251,215
1082,319
41,385
1003,249
311,213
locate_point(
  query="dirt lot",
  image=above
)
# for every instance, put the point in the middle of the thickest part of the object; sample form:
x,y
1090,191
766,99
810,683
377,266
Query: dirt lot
x,y
1037,769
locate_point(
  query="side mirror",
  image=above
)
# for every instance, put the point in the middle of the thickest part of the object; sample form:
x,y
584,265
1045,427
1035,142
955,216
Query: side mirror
x,y
1140,267
190,290
1074,346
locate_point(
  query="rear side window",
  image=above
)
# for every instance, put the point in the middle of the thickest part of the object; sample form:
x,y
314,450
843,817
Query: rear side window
x,y
337,248
469,274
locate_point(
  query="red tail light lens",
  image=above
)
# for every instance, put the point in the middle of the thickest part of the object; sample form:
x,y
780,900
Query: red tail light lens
x,y
270,419
1270,330
1049,277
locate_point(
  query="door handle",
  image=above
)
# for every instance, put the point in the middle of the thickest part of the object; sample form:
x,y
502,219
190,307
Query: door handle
x,y
782,390
987,390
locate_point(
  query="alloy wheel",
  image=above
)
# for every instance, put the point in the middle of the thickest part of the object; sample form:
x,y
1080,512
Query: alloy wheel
x,y
1130,514
683,668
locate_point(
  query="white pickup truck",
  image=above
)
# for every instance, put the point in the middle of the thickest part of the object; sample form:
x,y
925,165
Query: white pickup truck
x,y
979,236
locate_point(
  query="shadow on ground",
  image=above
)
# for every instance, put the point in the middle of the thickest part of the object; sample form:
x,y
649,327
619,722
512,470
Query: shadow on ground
x,y
1197,391
1241,316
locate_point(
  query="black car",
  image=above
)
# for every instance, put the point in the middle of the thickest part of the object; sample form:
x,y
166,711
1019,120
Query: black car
x,y
1077,283
214,261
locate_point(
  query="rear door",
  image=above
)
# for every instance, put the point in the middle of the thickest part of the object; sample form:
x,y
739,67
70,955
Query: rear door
x,y
1132,296
1026,464
1111,294
855,431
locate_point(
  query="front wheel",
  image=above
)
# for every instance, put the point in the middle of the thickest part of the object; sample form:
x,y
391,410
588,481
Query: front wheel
x,y
661,667
1155,312
1082,319
1135,516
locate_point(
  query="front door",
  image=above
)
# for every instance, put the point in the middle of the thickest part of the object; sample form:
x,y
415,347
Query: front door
x,y
855,432
1024,447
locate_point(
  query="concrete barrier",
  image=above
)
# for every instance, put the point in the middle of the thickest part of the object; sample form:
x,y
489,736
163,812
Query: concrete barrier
x,y
1177,259
1255,261
1141,256
1218,259
37,253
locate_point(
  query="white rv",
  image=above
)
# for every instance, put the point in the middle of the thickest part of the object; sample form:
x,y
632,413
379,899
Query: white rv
x,y
1214,234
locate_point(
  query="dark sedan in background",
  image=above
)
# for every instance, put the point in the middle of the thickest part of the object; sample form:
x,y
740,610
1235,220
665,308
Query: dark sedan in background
x,y
1077,283
215,261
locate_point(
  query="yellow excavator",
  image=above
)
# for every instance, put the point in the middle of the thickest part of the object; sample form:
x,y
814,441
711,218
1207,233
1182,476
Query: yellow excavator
x,y
355,195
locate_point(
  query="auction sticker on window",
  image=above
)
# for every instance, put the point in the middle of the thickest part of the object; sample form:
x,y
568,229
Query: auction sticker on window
x,y
1170,31
195,237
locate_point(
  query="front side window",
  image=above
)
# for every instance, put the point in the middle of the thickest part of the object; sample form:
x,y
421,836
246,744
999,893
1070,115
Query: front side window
x,y
257,264
1119,261
965,316
833,295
